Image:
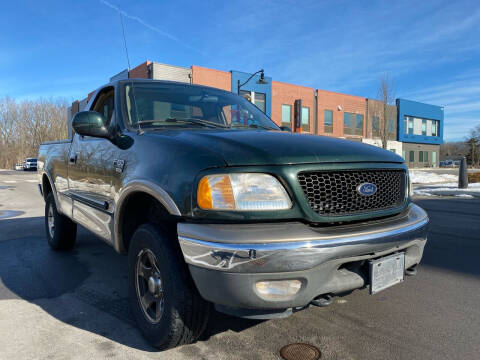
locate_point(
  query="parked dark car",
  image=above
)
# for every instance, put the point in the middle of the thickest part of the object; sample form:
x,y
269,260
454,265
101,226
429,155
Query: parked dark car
x,y
215,206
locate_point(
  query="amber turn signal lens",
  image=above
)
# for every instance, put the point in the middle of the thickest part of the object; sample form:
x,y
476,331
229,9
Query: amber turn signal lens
x,y
215,191
204,194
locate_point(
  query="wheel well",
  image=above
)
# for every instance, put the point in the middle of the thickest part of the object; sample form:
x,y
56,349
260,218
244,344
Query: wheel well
x,y
46,187
140,208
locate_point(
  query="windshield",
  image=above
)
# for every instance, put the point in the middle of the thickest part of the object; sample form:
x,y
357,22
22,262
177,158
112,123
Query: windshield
x,y
164,105
32,160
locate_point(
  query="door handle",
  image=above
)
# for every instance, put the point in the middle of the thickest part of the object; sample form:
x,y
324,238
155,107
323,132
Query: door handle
x,y
73,159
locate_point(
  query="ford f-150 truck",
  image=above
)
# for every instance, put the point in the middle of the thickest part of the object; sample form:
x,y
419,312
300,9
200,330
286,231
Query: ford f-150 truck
x,y
216,206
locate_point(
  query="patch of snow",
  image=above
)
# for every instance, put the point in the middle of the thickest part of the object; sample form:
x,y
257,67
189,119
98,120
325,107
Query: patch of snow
x,y
425,177
421,193
448,189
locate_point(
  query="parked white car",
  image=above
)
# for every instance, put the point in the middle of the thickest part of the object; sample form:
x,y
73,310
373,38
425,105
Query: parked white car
x,y
30,164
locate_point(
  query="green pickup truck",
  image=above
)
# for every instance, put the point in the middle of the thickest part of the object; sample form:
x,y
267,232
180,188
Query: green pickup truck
x,y
217,207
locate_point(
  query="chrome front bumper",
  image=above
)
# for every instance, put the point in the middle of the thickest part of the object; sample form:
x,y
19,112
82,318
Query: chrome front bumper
x,y
227,260
293,246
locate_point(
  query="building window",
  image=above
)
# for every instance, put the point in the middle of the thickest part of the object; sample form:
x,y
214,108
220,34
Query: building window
x,y
352,124
259,100
424,127
410,126
256,98
423,157
412,156
429,127
287,115
305,119
347,123
246,94
328,121
420,126
404,154
375,126
434,128
391,126
359,124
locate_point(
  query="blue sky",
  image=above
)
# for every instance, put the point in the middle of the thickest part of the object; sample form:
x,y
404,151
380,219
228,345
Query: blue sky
x,y
431,49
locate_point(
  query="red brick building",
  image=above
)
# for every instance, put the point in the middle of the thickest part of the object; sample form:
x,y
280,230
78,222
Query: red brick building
x,y
322,112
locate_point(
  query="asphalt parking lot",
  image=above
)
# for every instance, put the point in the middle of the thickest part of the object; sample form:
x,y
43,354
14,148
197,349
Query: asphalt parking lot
x,y
74,305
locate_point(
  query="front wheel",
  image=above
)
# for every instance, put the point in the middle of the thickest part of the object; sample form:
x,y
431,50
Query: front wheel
x,y
165,303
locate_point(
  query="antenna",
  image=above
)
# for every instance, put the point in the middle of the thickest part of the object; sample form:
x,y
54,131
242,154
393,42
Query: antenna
x,y
140,131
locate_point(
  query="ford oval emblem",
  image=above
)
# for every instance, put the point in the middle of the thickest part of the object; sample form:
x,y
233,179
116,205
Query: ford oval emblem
x,y
367,189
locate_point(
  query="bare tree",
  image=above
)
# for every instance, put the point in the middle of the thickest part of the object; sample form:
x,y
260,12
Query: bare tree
x,y
452,150
473,141
386,96
26,124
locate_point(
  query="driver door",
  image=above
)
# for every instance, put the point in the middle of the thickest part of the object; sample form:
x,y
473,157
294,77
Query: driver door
x,y
91,170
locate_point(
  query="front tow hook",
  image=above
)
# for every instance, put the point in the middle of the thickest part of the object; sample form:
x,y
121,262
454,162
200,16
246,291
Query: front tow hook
x,y
411,271
322,300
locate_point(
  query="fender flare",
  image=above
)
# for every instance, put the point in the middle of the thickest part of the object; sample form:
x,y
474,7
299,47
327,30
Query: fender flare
x,y
53,187
138,186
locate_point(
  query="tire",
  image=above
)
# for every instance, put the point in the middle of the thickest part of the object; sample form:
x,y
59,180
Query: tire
x,y
63,234
182,313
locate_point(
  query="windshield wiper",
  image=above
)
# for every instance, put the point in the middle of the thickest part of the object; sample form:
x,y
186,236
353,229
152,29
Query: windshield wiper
x,y
256,126
184,120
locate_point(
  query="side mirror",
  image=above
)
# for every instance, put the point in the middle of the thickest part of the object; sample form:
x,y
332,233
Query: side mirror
x,y
286,128
90,123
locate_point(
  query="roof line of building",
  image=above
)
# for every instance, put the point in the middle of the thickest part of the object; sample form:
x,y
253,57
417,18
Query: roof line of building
x,y
343,94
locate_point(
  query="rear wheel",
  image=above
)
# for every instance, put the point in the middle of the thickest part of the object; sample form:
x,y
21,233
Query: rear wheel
x,y
61,231
165,303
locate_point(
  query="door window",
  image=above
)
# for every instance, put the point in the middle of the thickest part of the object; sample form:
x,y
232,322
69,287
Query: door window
x,y
104,104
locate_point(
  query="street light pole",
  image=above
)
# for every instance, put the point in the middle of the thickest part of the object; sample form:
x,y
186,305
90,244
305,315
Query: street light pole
x,y
260,81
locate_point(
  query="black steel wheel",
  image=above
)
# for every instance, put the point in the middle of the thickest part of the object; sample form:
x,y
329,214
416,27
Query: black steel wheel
x,y
164,300
148,283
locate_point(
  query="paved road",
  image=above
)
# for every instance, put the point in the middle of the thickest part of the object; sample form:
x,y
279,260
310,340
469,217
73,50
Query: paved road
x,y
74,305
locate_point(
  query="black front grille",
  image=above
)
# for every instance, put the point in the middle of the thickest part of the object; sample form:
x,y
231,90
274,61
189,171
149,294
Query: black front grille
x,y
334,193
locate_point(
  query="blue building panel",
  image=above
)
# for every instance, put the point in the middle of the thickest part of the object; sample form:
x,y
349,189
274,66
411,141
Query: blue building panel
x,y
253,85
419,110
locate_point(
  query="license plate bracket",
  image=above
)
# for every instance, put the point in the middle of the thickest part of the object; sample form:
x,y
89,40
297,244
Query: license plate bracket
x,y
386,271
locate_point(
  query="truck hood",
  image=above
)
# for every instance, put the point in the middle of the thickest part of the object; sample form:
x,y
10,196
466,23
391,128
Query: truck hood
x,y
259,147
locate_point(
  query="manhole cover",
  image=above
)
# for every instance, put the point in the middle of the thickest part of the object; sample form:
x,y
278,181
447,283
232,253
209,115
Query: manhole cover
x,y
299,351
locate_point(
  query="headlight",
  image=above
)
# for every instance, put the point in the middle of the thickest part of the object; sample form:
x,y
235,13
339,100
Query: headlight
x,y
242,192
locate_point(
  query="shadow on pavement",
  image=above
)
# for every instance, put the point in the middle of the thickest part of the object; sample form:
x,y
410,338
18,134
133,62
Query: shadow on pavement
x,y
66,284
61,283
454,234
